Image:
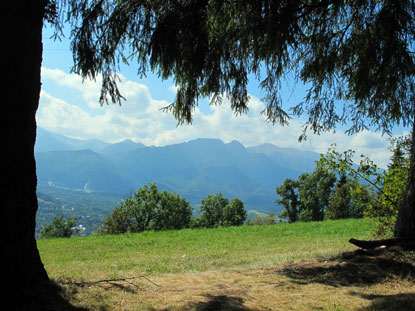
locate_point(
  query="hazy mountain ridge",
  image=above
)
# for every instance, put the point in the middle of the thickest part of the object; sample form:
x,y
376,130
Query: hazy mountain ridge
x,y
193,169
49,141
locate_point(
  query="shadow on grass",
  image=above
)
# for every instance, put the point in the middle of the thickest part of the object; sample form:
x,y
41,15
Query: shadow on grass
x,y
358,268
398,302
218,303
47,296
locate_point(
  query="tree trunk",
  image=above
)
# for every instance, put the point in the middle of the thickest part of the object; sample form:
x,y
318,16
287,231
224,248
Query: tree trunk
x,y
405,224
22,58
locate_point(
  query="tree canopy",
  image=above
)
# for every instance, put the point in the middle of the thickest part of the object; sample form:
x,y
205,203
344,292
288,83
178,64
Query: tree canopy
x,y
211,210
357,57
288,193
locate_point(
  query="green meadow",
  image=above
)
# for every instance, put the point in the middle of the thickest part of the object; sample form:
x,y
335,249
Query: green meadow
x,y
301,266
197,249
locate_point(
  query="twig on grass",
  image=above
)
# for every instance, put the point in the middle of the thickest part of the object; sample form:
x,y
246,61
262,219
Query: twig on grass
x,y
109,281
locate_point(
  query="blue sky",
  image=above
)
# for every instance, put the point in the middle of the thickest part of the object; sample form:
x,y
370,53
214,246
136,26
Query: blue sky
x,y
69,106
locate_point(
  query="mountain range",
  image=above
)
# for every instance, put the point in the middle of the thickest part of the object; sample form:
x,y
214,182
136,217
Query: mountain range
x,y
192,169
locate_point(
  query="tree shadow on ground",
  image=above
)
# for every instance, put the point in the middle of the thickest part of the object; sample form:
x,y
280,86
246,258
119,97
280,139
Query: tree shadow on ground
x,y
358,268
220,303
48,296
398,302
216,303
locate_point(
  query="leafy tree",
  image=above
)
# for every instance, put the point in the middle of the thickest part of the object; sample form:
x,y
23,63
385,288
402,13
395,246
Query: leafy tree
x,y
115,224
361,199
314,192
211,210
141,208
366,178
312,196
149,209
59,228
288,193
234,213
173,212
380,195
340,201
400,148
356,56
393,181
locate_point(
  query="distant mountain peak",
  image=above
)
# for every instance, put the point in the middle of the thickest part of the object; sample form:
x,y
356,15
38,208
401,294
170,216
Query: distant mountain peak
x,y
266,148
49,141
127,140
122,146
206,140
235,143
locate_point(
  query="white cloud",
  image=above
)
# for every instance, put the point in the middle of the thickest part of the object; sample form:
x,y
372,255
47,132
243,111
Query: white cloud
x,y
173,88
88,89
140,119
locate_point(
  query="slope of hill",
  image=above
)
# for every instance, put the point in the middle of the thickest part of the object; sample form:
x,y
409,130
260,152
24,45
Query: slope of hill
x,y
83,170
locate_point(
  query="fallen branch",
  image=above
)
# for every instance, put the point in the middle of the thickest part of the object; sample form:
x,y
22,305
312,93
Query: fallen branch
x,y
109,281
386,242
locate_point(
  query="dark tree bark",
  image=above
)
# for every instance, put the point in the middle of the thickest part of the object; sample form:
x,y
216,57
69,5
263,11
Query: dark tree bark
x,y
405,224
22,58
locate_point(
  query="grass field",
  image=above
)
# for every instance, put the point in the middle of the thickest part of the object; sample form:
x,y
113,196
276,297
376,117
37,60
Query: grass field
x,y
303,266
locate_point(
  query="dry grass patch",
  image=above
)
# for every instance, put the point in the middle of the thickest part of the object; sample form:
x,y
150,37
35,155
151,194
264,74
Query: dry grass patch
x,y
376,280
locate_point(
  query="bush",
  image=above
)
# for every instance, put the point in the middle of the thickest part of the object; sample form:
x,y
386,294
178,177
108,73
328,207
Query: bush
x,y
270,219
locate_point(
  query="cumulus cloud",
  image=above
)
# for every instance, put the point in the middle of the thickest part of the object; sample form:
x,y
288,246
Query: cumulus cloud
x,y
140,119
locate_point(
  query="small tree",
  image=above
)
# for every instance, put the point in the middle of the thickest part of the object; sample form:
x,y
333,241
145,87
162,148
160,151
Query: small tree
x,y
211,210
340,201
360,197
314,193
234,213
59,228
288,193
